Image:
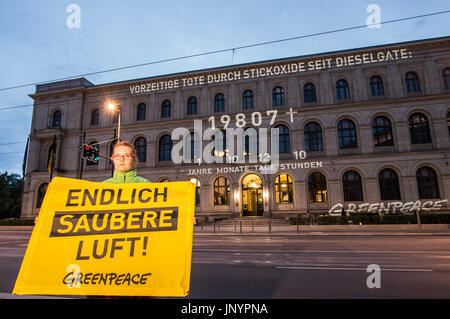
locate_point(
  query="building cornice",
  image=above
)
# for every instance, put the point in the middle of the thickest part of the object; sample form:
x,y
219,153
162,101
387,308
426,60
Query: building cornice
x,y
417,45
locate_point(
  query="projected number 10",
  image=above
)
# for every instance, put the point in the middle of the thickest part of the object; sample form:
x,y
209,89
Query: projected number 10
x,y
256,119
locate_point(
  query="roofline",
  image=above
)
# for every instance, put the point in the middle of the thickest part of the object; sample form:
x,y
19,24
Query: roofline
x,y
95,86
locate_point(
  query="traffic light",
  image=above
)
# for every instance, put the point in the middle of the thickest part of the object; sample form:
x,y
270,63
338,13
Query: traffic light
x,y
90,153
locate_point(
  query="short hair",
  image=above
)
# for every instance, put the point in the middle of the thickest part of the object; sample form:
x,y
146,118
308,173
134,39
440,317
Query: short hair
x,y
133,150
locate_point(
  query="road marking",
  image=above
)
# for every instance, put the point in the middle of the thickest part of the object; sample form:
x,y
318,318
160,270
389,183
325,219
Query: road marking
x,y
358,269
446,253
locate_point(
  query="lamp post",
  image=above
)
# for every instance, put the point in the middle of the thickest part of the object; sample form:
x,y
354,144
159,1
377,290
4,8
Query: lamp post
x,y
113,108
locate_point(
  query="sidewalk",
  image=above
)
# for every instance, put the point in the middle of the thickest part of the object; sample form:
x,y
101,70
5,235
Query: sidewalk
x,y
302,230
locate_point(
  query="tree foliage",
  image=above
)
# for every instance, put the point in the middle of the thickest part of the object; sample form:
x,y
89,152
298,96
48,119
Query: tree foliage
x,y
10,191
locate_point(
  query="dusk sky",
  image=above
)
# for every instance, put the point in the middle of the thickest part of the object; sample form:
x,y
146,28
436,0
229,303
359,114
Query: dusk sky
x,y
38,45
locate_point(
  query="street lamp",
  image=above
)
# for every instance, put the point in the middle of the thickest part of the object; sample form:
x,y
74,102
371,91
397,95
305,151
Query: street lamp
x,y
112,107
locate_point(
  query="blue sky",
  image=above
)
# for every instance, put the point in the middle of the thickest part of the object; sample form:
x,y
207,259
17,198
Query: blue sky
x,y
38,46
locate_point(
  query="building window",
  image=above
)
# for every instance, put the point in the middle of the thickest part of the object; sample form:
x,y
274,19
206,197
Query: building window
x,y
94,144
412,82
284,189
221,191
342,91
382,131
284,144
192,105
313,137
388,183
141,108
41,194
446,77
95,117
419,129
219,103
309,93
140,144
248,100
448,122
193,148
317,188
347,134
376,86
352,186
197,190
427,183
251,142
220,145
56,119
165,148
165,108
278,96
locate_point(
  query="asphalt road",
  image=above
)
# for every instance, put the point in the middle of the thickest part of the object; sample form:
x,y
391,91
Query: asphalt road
x,y
291,267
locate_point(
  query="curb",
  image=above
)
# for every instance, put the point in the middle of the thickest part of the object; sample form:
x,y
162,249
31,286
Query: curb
x,y
318,233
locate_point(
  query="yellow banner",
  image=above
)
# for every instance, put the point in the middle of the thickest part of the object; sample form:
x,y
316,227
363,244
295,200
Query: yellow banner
x,y
111,239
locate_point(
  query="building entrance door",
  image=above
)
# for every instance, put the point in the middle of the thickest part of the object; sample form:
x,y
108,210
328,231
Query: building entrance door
x,y
252,196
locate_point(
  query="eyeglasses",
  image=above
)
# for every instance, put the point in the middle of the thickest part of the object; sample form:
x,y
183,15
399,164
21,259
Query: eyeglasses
x,y
127,156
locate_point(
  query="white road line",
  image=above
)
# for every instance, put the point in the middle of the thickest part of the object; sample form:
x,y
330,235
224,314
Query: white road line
x,y
358,269
332,251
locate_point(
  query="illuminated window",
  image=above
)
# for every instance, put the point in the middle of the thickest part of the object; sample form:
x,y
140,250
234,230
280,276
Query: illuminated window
x,y
283,189
352,186
419,129
412,82
277,96
309,93
221,191
388,183
382,131
427,183
317,188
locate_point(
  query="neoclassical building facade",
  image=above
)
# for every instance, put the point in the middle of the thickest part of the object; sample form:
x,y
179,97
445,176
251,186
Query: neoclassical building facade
x,y
361,128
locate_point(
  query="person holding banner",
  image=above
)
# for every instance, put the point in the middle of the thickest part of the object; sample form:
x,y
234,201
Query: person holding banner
x,y
125,161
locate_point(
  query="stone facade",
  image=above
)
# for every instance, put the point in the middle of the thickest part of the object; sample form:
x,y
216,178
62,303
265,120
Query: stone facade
x,y
429,60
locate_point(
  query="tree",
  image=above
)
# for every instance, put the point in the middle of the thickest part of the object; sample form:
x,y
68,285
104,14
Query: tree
x,y
10,192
